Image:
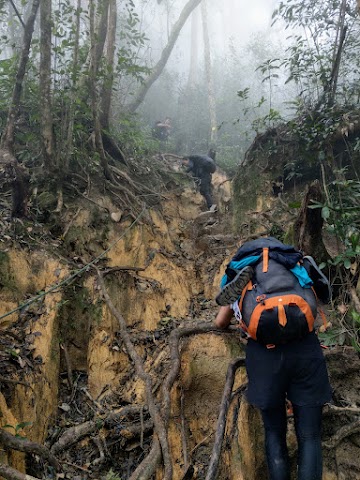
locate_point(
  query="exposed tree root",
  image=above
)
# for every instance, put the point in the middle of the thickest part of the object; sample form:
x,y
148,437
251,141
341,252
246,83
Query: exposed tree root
x,y
12,474
342,433
148,466
159,424
224,407
23,445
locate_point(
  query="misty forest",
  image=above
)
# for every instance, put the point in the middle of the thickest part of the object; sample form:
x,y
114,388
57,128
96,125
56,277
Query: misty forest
x,y
111,255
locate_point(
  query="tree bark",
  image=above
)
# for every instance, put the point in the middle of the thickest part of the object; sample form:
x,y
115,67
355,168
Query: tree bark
x,y
7,142
94,52
109,58
7,156
159,67
45,85
309,223
101,31
74,75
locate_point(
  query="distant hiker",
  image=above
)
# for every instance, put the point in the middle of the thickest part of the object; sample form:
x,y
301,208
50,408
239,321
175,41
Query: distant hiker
x,y
202,167
161,130
267,287
277,186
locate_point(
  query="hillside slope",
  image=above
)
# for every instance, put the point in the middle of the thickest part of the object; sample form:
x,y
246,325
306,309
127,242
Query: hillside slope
x,y
67,380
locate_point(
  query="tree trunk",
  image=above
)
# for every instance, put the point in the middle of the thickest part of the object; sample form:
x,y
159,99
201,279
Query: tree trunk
x,y
7,142
209,78
94,95
309,223
194,50
74,74
101,30
109,57
45,85
7,156
159,67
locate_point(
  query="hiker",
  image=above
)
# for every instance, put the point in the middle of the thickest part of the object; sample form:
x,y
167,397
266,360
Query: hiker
x,y
161,130
202,167
281,371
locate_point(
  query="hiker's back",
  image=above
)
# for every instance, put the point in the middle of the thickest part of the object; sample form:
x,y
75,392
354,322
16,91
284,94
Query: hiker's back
x,y
276,304
275,307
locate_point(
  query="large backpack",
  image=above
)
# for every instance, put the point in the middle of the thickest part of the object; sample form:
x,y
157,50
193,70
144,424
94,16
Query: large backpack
x,y
278,305
203,163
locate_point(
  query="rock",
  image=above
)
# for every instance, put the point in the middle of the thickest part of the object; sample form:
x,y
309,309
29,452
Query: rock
x,y
116,216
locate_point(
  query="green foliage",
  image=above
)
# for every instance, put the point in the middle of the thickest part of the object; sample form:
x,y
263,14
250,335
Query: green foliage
x,y
111,475
333,336
318,28
341,213
17,428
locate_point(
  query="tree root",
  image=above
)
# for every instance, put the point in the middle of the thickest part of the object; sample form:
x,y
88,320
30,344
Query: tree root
x,y
10,473
224,407
342,433
148,466
23,445
159,423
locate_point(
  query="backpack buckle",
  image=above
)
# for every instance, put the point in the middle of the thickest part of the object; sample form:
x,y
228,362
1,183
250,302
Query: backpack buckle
x,y
261,299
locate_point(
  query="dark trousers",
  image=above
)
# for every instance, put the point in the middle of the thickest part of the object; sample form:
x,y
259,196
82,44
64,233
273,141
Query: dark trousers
x,y
205,188
308,432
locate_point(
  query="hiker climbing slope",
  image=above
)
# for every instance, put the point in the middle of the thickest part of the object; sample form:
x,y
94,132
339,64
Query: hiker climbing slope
x,y
202,167
268,289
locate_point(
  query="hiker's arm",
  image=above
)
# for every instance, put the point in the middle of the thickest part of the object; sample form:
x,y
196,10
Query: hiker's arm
x,y
224,316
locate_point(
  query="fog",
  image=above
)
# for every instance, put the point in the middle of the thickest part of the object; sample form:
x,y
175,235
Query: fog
x,y
241,38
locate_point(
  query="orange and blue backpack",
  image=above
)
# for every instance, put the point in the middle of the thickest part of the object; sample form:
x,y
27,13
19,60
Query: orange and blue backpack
x,y
279,303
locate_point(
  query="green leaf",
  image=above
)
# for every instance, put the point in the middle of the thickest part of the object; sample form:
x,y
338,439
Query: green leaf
x,y
347,263
325,212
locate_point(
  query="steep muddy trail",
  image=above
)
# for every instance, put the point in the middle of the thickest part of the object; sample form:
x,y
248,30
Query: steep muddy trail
x,y
72,386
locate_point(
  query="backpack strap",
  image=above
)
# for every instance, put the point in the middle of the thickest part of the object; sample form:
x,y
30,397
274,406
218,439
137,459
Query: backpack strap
x,y
321,311
265,259
248,286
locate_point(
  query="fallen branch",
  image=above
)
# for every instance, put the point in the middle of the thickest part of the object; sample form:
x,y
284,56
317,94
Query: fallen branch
x,y
224,407
11,474
23,445
73,434
14,382
330,409
122,269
